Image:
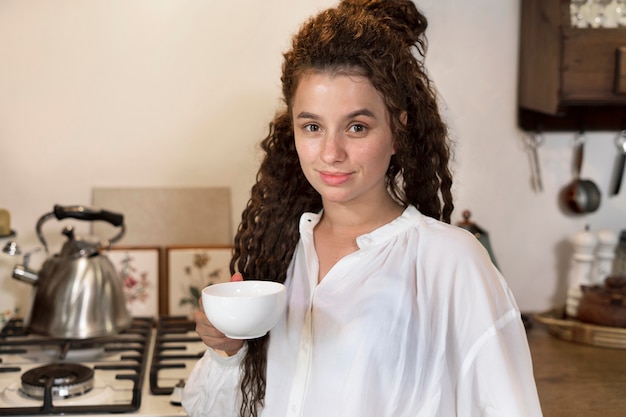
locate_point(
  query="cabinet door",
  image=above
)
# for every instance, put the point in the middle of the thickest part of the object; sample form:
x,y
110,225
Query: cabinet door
x,y
570,78
590,66
540,55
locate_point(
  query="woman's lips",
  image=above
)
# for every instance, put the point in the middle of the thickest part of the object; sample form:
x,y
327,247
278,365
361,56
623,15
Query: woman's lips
x,y
334,178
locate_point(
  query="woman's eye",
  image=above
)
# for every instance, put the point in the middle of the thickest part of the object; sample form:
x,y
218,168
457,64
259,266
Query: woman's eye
x,y
311,128
357,128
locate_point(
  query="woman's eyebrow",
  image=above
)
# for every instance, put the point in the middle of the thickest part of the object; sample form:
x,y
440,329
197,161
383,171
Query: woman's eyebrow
x,y
307,115
351,115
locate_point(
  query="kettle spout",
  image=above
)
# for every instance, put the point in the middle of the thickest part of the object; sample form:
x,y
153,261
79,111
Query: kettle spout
x,y
25,274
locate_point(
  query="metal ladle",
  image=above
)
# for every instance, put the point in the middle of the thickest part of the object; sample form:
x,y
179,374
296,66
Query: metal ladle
x,y
620,143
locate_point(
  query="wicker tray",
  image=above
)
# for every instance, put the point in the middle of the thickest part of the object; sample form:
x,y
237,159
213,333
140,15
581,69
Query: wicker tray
x,y
576,331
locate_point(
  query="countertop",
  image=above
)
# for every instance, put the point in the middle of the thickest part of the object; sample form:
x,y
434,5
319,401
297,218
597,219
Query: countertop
x,y
575,379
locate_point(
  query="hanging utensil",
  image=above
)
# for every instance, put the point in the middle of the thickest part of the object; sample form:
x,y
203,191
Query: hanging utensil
x,y
532,142
618,173
581,195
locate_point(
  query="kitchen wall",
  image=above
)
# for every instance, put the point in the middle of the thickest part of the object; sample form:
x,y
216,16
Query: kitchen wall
x,y
178,93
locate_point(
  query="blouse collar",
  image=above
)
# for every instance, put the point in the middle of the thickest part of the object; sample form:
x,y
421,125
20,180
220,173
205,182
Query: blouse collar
x,y
409,218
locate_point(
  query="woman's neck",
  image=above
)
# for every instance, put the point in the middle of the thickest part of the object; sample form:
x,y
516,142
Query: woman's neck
x,y
358,219
335,234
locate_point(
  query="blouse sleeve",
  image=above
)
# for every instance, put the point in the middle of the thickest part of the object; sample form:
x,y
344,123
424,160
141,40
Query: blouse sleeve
x,y
497,380
486,344
212,389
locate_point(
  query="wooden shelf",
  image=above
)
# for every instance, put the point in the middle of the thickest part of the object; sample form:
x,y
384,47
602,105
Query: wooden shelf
x,y
575,118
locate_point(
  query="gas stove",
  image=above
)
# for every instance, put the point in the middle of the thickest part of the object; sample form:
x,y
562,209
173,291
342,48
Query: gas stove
x,y
137,372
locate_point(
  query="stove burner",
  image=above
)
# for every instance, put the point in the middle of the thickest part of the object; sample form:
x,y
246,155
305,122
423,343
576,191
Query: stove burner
x,y
123,358
64,379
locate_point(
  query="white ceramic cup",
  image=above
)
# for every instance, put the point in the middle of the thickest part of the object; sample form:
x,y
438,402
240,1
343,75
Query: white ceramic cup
x,y
244,309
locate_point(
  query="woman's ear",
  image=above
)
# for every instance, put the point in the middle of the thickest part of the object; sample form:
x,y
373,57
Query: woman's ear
x,y
404,117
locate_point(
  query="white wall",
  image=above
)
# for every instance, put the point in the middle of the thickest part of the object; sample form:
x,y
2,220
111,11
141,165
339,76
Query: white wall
x,y
178,93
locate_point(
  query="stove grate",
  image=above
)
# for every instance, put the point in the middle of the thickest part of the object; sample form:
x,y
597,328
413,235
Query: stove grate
x,y
165,343
135,339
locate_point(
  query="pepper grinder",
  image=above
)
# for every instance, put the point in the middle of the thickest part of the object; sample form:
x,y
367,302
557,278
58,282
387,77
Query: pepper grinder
x,y
605,255
585,244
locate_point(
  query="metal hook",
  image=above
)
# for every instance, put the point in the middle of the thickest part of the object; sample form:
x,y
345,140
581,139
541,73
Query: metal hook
x,y
533,141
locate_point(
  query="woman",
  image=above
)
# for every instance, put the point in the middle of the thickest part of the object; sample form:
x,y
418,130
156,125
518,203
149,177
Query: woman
x,y
391,310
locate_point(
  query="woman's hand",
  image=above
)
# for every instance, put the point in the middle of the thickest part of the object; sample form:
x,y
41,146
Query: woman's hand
x,y
212,337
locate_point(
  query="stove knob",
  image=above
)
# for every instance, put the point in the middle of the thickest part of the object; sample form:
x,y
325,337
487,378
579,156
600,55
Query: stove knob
x,y
176,397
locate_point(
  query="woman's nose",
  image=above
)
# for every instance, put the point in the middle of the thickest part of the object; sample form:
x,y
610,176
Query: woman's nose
x,y
332,149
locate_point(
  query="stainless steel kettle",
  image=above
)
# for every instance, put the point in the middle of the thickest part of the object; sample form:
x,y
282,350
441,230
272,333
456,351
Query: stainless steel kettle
x,y
78,292
480,233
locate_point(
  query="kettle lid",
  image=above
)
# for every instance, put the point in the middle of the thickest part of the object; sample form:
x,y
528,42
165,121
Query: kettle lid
x,y
76,246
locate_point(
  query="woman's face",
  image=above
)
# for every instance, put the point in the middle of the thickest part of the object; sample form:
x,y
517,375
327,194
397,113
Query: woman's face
x,y
342,137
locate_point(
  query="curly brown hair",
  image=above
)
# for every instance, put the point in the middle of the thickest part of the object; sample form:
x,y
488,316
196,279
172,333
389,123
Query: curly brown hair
x,y
383,40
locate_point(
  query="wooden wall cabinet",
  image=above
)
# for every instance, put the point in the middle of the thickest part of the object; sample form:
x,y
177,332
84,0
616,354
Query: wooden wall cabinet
x,y
570,78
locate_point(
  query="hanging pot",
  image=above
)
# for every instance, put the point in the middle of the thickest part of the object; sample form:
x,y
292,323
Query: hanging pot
x,y
581,195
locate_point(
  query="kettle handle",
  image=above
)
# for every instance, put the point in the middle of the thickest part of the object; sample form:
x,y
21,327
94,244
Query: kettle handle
x,y
82,213
88,213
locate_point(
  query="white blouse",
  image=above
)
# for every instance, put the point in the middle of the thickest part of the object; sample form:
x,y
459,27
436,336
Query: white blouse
x,y
417,322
